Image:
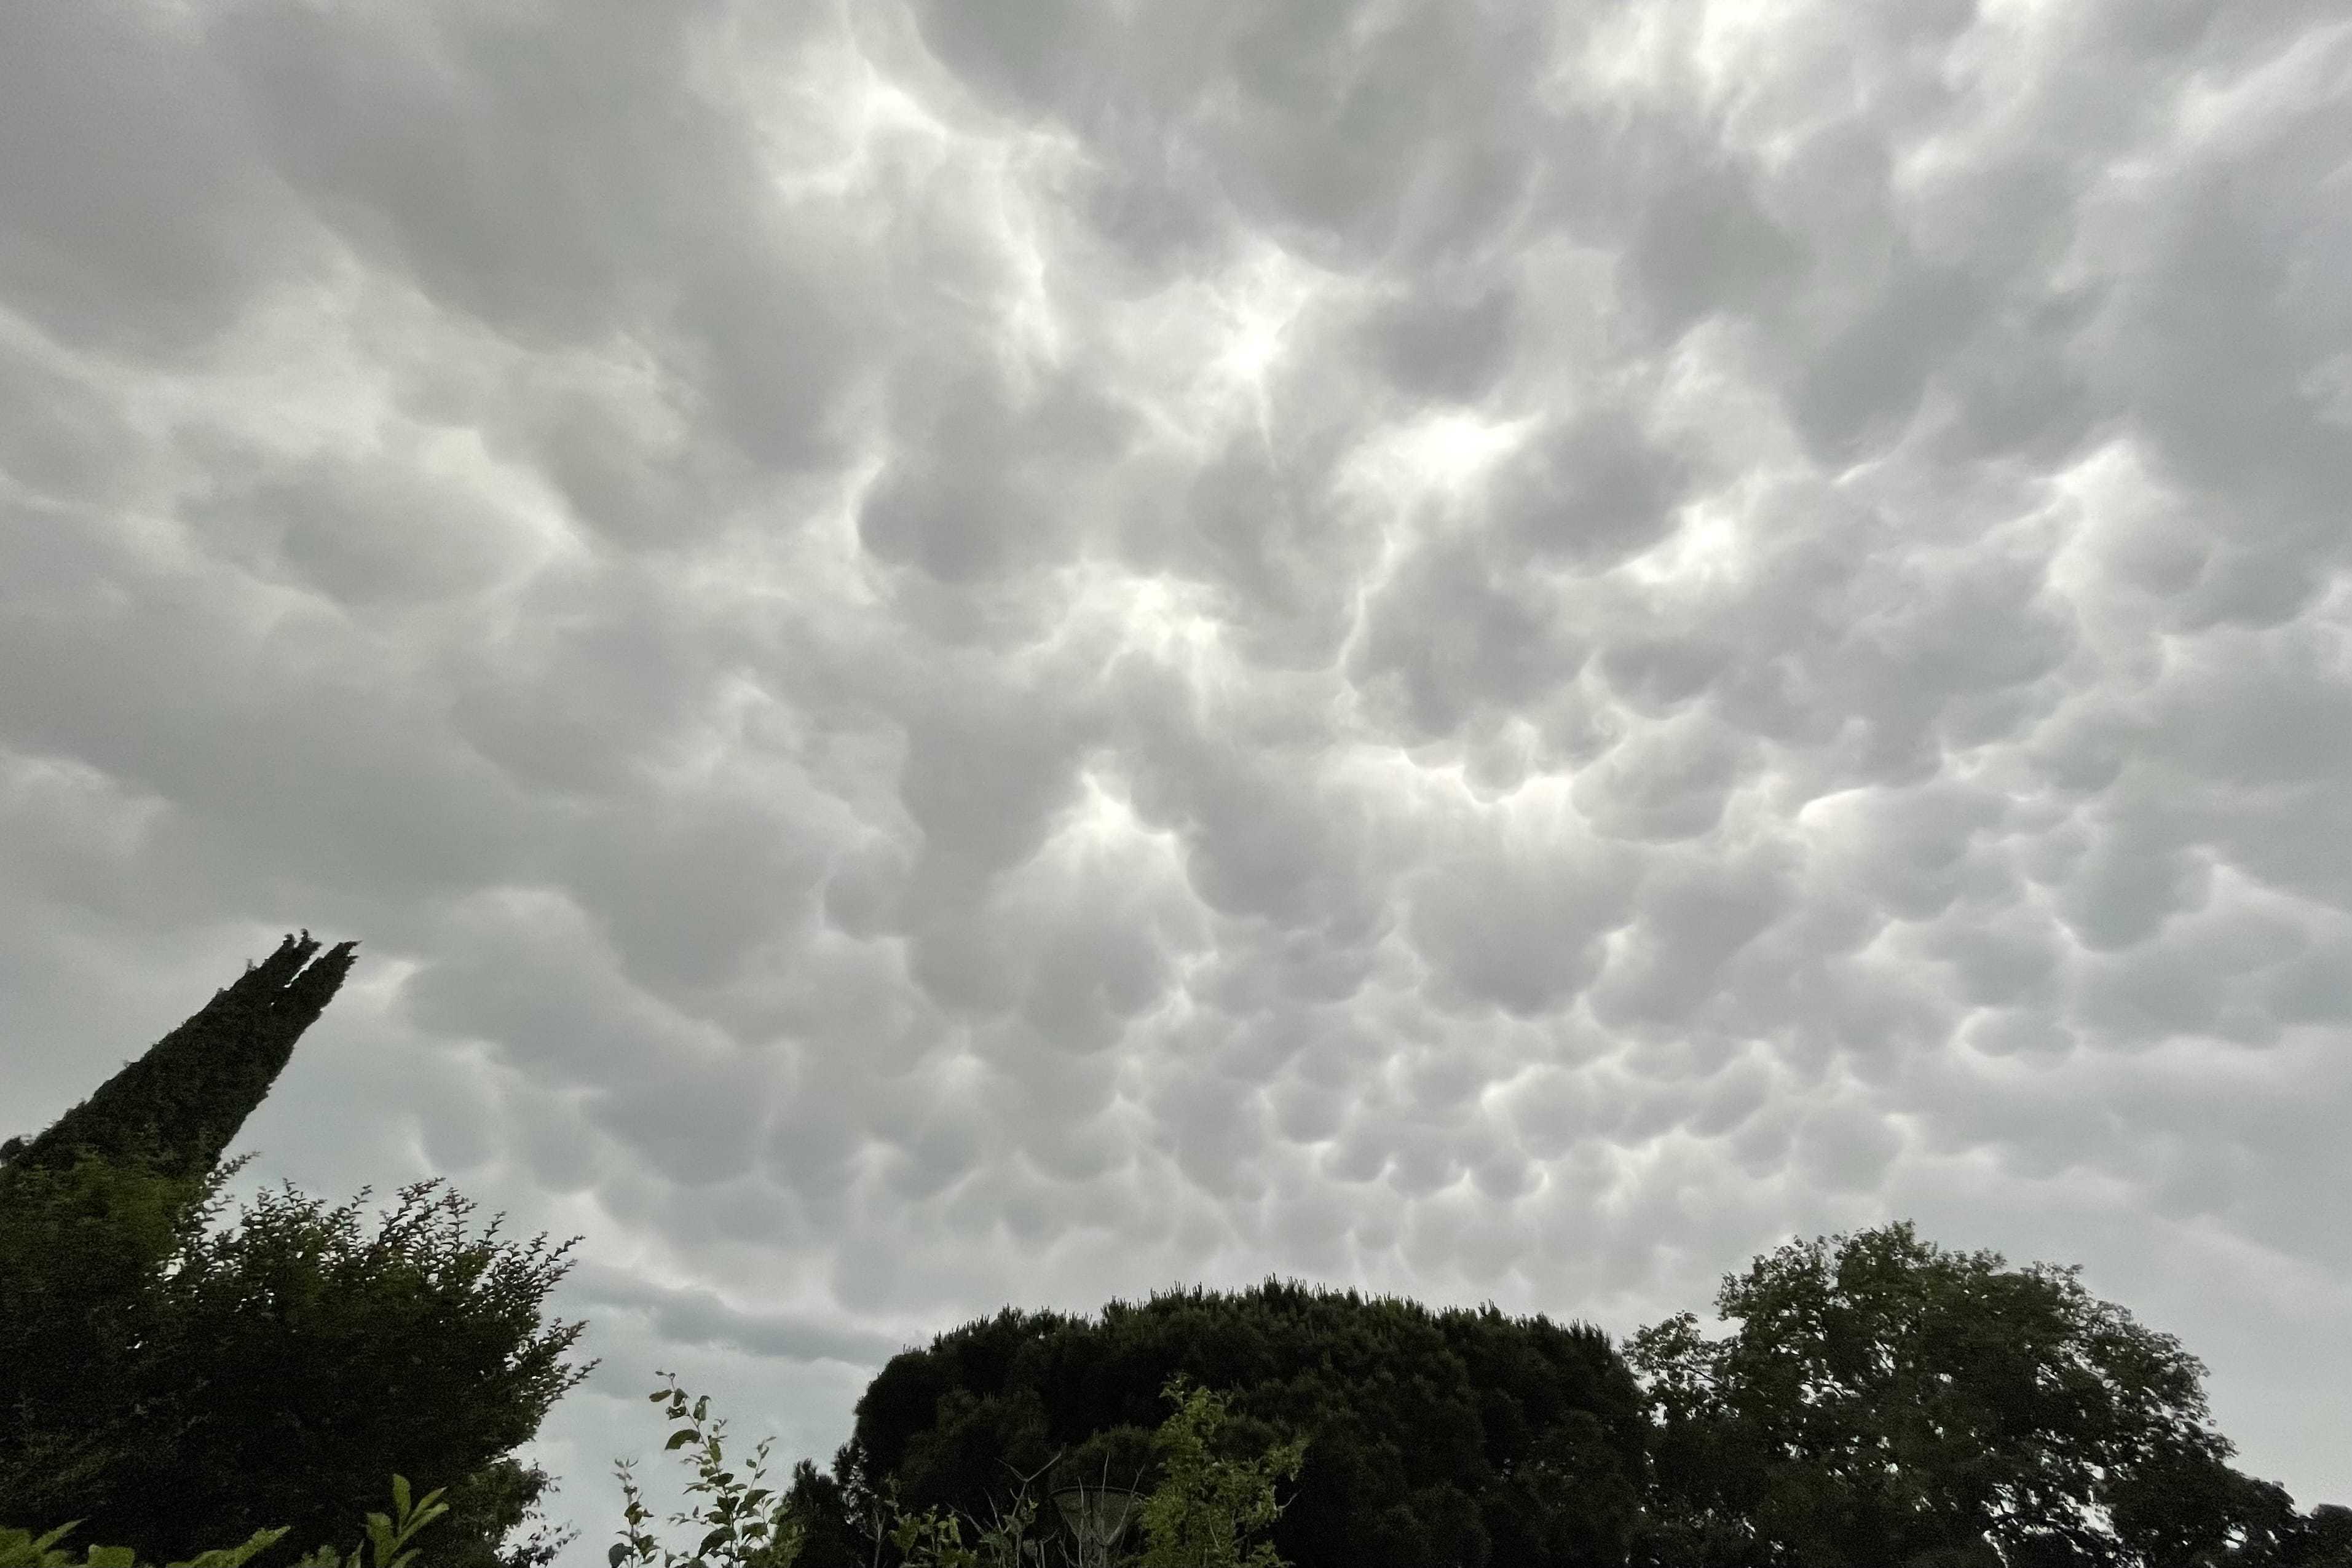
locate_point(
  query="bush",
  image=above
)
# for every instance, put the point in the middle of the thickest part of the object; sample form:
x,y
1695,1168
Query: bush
x,y
389,1536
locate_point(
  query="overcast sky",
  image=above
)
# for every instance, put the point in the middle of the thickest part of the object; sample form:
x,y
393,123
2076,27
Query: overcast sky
x,y
950,654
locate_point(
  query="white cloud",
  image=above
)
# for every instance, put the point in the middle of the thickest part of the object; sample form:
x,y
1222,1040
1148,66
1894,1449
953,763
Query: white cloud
x,y
951,654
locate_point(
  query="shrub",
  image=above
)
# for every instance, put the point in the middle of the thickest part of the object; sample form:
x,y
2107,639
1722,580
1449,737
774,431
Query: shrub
x,y
389,1536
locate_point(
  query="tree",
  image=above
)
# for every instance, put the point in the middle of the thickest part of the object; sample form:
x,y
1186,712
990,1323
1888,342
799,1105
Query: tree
x,y
89,1209
834,1530
80,1249
1885,1401
2320,1539
1434,1438
169,1384
176,1107
293,1362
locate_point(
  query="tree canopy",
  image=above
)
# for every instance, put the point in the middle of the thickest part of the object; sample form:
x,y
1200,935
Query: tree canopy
x,y
176,1384
1883,1401
295,1361
1871,1399
1433,1436
176,1107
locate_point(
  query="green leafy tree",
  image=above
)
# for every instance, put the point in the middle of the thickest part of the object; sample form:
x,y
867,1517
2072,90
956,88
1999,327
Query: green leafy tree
x,y
1211,1501
836,1530
1436,1439
292,1358
81,1247
91,1207
2320,1539
1886,1402
178,1385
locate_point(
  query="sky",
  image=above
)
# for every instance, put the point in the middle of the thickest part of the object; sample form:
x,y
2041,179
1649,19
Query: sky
x,y
949,654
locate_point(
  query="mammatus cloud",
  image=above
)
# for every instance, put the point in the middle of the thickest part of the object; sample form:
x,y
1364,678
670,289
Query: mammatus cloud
x,y
954,655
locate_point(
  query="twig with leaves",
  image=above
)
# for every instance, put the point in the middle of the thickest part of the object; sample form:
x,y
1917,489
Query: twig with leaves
x,y
738,1534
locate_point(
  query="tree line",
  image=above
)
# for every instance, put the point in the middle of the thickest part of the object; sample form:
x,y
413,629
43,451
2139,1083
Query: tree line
x,y
169,1384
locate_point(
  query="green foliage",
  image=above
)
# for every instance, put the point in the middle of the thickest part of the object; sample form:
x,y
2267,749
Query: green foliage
x,y
935,1537
389,1537
173,1384
2320,1539
1436,1439
487,1508
293,1357
737,1533
1887,1402
19,1550
837,1530
388,1534
177,1106
1210,1501
81,1249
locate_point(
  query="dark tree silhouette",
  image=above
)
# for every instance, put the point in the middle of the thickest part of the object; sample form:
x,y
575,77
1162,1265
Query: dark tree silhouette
x,y
1885,1401
177,1386
297,1364
1434,1438
177,1107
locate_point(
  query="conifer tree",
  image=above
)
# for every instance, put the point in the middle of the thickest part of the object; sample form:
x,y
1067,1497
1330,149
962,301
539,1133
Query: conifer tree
x,y
165,1383
176,1109
93,1208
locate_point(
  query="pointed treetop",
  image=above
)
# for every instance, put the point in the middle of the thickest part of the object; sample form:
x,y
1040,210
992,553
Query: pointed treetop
x,y
180,1103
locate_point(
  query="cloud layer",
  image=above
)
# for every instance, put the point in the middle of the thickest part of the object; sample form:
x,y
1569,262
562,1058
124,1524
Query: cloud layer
x,y
949,654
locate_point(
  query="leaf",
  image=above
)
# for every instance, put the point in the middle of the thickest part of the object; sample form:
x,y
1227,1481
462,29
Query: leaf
x,y
259,1541
680,1438
39,1549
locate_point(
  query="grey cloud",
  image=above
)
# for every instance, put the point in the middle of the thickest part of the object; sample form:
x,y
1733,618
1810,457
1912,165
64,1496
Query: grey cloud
x,y
333,525
1445,342
136,215
536,177
970,491
1452,634
1592,492
960,655
1665,782
1517,924
1692,919
690,1316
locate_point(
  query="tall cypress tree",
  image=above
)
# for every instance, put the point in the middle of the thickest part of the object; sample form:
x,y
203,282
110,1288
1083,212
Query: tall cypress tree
x,y
282,1370
92,1207
174,1110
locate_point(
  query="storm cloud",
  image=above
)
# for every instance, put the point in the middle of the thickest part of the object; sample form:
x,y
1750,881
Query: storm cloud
x,y
956,654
